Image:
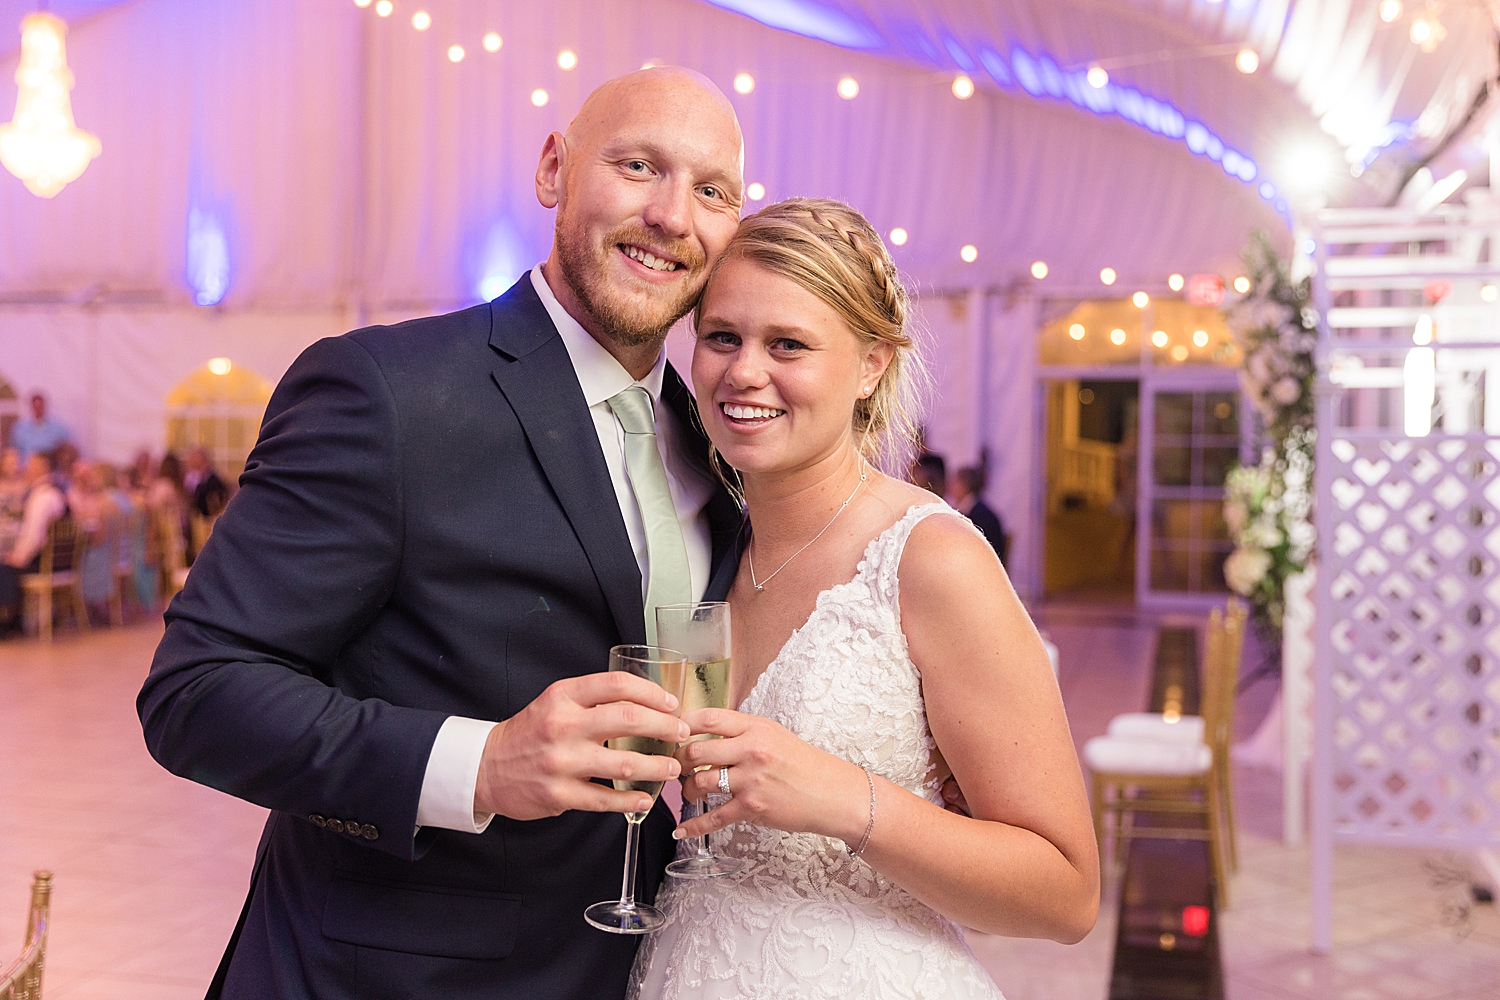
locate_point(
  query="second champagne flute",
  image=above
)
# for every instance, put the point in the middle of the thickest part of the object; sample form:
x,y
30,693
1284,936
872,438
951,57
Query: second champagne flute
x,y
702,632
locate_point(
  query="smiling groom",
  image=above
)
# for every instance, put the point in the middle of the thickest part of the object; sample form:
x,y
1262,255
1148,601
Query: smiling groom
x,y
394,639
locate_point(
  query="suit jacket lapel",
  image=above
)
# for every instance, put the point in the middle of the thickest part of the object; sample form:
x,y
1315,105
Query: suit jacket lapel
x,y
724,514
536,376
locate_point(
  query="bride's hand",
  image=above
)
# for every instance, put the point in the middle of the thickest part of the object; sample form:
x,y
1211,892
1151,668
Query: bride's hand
x,y
775,779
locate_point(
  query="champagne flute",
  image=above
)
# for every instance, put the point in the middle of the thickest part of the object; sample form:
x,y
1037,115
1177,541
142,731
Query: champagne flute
x,y
665,667
702,632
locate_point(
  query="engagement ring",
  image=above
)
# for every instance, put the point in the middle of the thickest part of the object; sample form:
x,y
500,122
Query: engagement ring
x,y
724,781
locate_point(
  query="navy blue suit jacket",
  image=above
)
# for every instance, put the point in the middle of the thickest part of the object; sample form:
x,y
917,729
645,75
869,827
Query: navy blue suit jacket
x,y
425,528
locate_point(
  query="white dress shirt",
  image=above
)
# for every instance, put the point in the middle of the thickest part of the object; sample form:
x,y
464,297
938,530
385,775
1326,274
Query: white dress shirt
x,y
44,504
447,799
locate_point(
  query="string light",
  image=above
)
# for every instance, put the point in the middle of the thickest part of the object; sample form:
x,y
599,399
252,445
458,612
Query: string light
x,y
1179,353
1107,276
1427,32
567,59
1247,61
756,191
1390,10
970,253
493,41
1200,338
42,145
1117,336
1076,331
1242,284
1159,338
1039,270
652,63
898,236
1098,77
1489,293
361,4
963,87
848,88
455,53
220,366
744,83
1175,282
421,20
384,8
1140,300
539,97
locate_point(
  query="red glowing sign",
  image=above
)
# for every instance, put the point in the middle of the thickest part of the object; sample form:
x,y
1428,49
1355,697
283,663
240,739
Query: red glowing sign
x,y
1205,290
1195,921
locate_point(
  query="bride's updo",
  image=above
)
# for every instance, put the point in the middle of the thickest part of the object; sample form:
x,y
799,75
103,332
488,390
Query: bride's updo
x,y
832,251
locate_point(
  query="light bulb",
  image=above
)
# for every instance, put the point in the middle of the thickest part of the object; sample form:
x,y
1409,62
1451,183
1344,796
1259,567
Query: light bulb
x,y
455,53
1140,300
898,236
384,8
1180,353
756,191
1076,331
1175,282
970,253
1117,336
1159,338
1489,293
492,42
1421,31
1098,77
1039,270
848,88
1200,338
652,63
744,83
539,97
567,59
1247,61
1107,276
361,3
421,20
220,366
1390,10
963,88
1242,284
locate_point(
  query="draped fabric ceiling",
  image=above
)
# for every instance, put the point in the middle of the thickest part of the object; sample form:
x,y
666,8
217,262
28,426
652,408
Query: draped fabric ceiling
x,y
311,165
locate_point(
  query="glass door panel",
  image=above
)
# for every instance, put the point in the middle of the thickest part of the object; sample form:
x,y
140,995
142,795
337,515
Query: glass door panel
x,y
1194,440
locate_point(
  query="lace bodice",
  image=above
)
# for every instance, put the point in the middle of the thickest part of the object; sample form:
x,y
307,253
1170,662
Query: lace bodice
x,y
806,919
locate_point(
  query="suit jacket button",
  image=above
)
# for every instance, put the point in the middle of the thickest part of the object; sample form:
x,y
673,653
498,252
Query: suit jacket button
x,y
368,832
317,820
336,826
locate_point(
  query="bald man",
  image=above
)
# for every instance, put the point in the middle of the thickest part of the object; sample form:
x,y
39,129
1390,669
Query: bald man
x,y
397,637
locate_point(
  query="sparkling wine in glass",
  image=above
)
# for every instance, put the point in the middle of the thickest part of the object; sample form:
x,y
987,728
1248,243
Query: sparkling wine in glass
x,y
664,667
701,631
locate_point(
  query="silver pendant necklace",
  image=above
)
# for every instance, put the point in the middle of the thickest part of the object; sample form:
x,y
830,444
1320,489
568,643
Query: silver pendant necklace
x,y
760,585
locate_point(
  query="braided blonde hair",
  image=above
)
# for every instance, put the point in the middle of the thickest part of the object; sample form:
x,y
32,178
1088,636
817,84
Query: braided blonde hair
x,y
832,251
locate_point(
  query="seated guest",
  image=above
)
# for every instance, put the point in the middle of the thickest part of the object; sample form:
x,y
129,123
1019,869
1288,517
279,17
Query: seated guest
x,y
968,487
167,502
44,504
930,472
12,483
63,461
92,507
41,434
96,512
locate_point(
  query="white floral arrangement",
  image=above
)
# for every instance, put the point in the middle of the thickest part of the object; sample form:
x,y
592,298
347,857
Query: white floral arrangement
x,y
1268,506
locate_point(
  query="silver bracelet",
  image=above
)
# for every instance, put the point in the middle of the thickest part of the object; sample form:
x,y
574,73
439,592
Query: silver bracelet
x,y
865,840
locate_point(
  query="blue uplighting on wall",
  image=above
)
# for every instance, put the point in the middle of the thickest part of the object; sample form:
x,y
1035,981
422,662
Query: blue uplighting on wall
x,y
207,257
1039,76
805,17
501,260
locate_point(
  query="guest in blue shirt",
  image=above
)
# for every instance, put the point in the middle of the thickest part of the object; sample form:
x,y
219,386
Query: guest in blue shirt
x,y
41,435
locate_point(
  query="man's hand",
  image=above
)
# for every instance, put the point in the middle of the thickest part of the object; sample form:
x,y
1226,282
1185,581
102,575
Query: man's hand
x,y
538,762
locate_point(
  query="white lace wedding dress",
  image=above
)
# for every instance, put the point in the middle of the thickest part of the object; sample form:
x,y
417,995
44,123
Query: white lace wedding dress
x,y
807,920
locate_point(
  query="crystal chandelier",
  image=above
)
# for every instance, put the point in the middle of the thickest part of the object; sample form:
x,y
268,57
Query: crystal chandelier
x,y
41,145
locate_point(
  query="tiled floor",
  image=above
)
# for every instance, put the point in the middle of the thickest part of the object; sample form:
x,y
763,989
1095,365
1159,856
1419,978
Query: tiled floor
x,y
151,869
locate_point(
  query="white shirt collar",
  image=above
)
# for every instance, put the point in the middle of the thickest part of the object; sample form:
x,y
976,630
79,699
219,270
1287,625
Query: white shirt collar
x,y
599,374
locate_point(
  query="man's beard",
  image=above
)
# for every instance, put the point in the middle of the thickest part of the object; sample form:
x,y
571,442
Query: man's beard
x,y
626,319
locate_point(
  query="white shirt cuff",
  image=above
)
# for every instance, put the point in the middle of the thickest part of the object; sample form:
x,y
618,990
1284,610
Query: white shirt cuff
x,y
447,799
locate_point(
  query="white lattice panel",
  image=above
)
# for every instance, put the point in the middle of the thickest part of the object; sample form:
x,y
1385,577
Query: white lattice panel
x,y
1415,676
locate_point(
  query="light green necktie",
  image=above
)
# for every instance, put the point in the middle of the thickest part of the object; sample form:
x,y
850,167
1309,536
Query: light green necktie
x,y
669,581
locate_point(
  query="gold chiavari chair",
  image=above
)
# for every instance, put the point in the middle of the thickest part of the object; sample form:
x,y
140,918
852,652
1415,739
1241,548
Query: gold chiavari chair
x,y
59,570
23,980
1140,776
